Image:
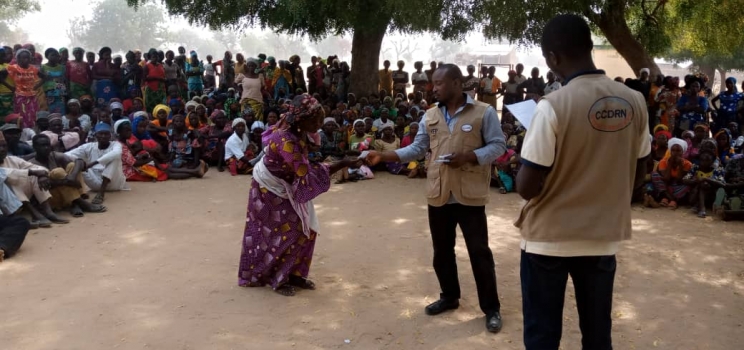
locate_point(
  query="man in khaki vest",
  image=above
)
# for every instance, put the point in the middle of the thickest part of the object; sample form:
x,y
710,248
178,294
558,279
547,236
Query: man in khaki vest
x,y
582,156
465,138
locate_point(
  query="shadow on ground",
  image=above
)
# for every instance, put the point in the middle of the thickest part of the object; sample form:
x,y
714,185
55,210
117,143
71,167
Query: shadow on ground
x,y
159,271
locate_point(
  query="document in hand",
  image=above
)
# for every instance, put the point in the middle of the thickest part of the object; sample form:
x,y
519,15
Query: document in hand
x,y
523,111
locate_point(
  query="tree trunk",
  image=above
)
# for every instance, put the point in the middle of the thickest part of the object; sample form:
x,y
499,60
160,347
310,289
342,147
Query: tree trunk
x,y
365,60
723,80
614,27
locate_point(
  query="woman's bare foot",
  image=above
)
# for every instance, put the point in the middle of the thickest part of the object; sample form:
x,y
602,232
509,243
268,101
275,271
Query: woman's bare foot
x,y
413,173
2,255
286,290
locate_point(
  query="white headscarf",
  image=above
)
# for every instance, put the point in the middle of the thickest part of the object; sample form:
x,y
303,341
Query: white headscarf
x,y
679,142
237,121
258,124
648,71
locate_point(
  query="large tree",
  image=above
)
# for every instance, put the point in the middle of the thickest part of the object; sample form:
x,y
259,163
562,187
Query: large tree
x,y
118,26
366,20
633,27
708,33
10,12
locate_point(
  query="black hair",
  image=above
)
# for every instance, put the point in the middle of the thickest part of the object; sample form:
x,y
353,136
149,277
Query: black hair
x,y
50,51
567,35
39,136
104,50
451,71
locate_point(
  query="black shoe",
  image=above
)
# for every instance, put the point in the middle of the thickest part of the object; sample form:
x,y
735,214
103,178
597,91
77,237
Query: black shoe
x,y
493,322
441,305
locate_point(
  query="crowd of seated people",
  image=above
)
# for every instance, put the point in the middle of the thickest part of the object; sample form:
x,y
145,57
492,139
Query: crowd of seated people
x,y
74,128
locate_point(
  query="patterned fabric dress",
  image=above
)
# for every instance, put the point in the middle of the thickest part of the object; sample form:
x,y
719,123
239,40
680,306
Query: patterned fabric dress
x,y
55,88
274,245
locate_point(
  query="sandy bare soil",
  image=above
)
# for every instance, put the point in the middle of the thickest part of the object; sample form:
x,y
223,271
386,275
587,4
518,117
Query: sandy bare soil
x,y
159,271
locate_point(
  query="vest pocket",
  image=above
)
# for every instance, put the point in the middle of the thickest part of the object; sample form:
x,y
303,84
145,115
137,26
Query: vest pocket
x,y
433,181
474,182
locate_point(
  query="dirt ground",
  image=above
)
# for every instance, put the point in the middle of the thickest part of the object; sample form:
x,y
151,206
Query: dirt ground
x,y
159,271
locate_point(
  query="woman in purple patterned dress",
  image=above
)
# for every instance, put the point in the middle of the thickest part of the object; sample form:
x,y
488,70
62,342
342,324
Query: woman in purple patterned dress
x,y
281,225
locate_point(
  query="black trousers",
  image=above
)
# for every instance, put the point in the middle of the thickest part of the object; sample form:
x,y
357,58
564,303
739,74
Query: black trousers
x,y
472,220
544,281
13,232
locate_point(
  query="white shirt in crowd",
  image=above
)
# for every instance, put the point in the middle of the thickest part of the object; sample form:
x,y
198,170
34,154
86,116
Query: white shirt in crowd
x,y
550,87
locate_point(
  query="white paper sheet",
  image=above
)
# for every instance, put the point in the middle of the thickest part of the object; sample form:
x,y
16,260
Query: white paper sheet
x,y
523,111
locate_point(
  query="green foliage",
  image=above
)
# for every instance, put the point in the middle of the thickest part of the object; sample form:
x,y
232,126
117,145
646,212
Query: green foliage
x,y
10,12
707,32
120,27
318,19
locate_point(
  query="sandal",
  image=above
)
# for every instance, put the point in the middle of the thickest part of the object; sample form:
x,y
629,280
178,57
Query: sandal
x,y
302,283
286,290
702,214
502,190
76,211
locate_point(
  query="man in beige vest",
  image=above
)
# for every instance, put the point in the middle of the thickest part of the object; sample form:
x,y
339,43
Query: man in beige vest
x,y
582,156
465,138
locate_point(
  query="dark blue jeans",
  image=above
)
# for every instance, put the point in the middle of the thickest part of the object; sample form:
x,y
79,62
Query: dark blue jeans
x,y
544,281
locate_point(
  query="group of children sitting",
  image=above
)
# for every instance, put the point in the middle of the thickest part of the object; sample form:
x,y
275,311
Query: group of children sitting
x,y
698,170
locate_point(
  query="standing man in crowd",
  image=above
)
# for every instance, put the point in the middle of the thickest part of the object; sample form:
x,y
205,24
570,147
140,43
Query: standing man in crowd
x,y
465,137
567,228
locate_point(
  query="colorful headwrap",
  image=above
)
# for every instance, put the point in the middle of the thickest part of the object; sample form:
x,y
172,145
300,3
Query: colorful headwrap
x,y
160,107
62,49
12,118
216,114
304,109
140,117
86,98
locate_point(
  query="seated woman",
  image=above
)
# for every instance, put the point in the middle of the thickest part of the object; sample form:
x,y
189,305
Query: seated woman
x,y
184,151
700,132
140,124
62,141
661,142
727,204
257,129
704,179
138,105
158,127
137,163
725,149
332,143
667,180
216,136
389,142
504,169
201,113
416,168
193,123
238,152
